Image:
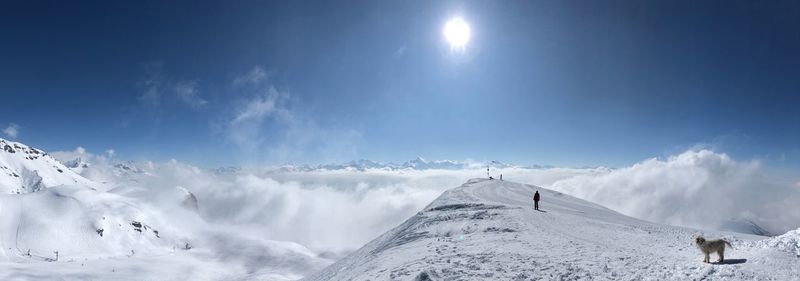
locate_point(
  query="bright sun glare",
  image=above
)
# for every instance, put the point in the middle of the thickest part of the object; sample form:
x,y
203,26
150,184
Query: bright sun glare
x,y
457,33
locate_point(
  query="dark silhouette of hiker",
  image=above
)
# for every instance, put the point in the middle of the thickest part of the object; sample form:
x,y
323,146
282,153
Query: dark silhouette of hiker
x,y
536,200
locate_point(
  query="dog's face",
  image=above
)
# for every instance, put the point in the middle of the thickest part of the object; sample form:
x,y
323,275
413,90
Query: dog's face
x,y
699,240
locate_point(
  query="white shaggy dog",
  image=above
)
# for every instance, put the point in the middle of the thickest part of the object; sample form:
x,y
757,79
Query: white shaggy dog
x,y
710,246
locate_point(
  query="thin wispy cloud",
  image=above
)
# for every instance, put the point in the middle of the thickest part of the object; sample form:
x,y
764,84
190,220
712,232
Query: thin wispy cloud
x,y
261,106
159,97
305,139
151,84
157,88
187,93
264,120
12,130
255,76
254,116
400,51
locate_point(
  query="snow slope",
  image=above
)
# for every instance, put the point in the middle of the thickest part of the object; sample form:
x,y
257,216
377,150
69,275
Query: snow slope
x,y
55,225
79,223
488,230
25,169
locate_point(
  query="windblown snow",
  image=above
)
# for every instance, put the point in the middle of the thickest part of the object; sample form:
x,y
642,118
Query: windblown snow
x,y
488,230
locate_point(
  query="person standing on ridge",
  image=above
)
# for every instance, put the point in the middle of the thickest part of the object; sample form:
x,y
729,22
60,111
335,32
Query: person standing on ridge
x,y
536,200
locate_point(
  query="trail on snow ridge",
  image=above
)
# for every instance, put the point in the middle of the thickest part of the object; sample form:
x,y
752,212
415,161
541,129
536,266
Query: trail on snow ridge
x,y
488,230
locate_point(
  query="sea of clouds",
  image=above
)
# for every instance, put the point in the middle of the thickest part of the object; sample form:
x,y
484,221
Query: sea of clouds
x,y
334,212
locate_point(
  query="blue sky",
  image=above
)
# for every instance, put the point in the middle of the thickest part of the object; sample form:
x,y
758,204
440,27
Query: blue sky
x,y
552,82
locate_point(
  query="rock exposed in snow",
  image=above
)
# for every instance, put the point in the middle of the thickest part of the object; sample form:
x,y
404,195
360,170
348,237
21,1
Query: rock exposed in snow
x,y
25,169
77,164
189,199
79,223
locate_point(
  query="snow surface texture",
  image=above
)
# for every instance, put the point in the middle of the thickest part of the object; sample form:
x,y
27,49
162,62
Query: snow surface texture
x,y
488,230
26,169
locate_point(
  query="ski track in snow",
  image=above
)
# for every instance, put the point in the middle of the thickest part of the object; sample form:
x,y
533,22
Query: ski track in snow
x,y
488,230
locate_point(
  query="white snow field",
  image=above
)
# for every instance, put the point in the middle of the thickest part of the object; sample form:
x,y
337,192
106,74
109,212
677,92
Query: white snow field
x,y
57,225
488,230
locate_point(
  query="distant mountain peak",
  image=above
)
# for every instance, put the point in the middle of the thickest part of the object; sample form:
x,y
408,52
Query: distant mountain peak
x,y
418,163
743,226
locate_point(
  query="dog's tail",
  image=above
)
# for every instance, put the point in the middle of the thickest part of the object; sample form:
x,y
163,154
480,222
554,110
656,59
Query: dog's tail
x,y
729,243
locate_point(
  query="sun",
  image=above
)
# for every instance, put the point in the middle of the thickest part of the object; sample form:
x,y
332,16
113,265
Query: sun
x,y
457,33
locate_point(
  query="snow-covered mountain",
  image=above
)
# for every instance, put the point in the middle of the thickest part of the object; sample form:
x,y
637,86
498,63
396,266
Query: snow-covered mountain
x,y
47,206
79,223
488,230
54,224
418,163
25,169
743,226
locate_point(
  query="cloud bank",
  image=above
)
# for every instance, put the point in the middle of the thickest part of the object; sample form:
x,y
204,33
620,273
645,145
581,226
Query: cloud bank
x,y
333,212
701,188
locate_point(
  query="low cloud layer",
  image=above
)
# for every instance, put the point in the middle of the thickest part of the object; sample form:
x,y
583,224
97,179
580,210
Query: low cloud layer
x,y
700,189
332,212
329,212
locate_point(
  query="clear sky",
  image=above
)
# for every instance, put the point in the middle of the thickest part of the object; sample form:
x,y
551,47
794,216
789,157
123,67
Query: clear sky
x,y
549,82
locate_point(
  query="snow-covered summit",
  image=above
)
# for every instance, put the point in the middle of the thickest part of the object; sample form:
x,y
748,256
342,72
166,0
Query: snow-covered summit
x,y
25,169
488,230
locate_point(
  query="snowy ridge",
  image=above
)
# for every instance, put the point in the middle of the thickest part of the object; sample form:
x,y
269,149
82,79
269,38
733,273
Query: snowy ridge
x,y
25,169
788,242
488,230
